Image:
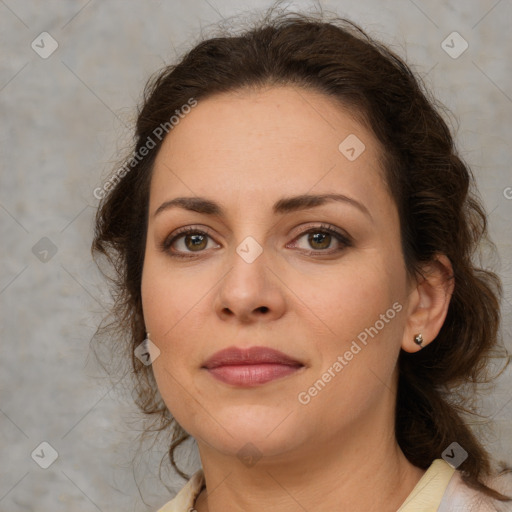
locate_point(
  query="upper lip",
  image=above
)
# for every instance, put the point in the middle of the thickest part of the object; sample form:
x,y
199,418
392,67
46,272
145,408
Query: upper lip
x,y
247,356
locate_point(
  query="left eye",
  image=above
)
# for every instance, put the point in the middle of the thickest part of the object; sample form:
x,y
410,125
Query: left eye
x,y
322,239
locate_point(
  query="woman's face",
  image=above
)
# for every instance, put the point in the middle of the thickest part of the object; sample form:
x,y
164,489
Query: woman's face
x,y
268,274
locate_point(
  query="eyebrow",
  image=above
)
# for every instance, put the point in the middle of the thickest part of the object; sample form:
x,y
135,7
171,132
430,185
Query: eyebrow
x,y
282,206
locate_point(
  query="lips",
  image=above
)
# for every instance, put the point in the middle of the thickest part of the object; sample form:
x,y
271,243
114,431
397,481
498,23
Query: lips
x,y
249,356
251,366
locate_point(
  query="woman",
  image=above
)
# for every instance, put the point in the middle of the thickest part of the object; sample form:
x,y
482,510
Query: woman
x,y
292,238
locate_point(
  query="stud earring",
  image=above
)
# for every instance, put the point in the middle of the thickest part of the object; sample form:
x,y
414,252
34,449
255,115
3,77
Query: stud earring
x,y
418,339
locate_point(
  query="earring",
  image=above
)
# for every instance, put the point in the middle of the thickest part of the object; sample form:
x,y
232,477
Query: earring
x,y
418,339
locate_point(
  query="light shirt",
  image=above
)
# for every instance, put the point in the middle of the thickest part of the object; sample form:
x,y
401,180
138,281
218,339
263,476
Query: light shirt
x,y
440,489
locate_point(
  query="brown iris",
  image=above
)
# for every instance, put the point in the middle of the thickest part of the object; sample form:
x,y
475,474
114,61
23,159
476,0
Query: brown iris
x,y
198,242
319,240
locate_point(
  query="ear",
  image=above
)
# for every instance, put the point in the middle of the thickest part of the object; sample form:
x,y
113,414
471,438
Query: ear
x,y
429,300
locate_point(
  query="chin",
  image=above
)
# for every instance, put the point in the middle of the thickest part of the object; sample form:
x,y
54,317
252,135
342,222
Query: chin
x,y
253,433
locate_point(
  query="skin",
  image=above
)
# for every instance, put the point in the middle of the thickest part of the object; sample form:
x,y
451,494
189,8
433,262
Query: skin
x,y
246,150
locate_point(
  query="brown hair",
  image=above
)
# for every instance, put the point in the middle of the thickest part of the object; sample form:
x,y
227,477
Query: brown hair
x,y
431,185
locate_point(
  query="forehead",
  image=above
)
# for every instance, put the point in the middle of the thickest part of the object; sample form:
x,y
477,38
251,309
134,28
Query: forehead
x,y
267,141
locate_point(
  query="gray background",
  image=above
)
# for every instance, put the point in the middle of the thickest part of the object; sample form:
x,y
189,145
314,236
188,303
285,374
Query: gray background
x,y
65,120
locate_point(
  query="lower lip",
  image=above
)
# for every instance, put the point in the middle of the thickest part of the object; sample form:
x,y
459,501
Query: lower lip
x,y
252,374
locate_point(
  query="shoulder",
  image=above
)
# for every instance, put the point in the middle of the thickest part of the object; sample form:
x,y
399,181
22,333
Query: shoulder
x,y
459,497
186,497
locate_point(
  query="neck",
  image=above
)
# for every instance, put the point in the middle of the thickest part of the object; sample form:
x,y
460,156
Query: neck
x,y
370,473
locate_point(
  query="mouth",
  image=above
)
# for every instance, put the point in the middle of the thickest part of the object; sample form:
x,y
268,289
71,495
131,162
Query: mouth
x,y
250,367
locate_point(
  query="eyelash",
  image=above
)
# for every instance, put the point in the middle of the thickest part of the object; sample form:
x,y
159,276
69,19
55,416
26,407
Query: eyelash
x,y
344,240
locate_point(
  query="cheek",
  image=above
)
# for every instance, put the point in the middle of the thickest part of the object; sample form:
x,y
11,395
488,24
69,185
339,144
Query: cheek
x,y
162,309
168,296
173,304
164,303
361,308
362,315
354,295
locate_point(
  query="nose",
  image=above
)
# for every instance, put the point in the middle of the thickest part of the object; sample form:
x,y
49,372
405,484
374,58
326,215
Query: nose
x,y
250,291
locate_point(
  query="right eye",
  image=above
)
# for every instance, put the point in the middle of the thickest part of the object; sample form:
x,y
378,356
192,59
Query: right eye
x,y
184,242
